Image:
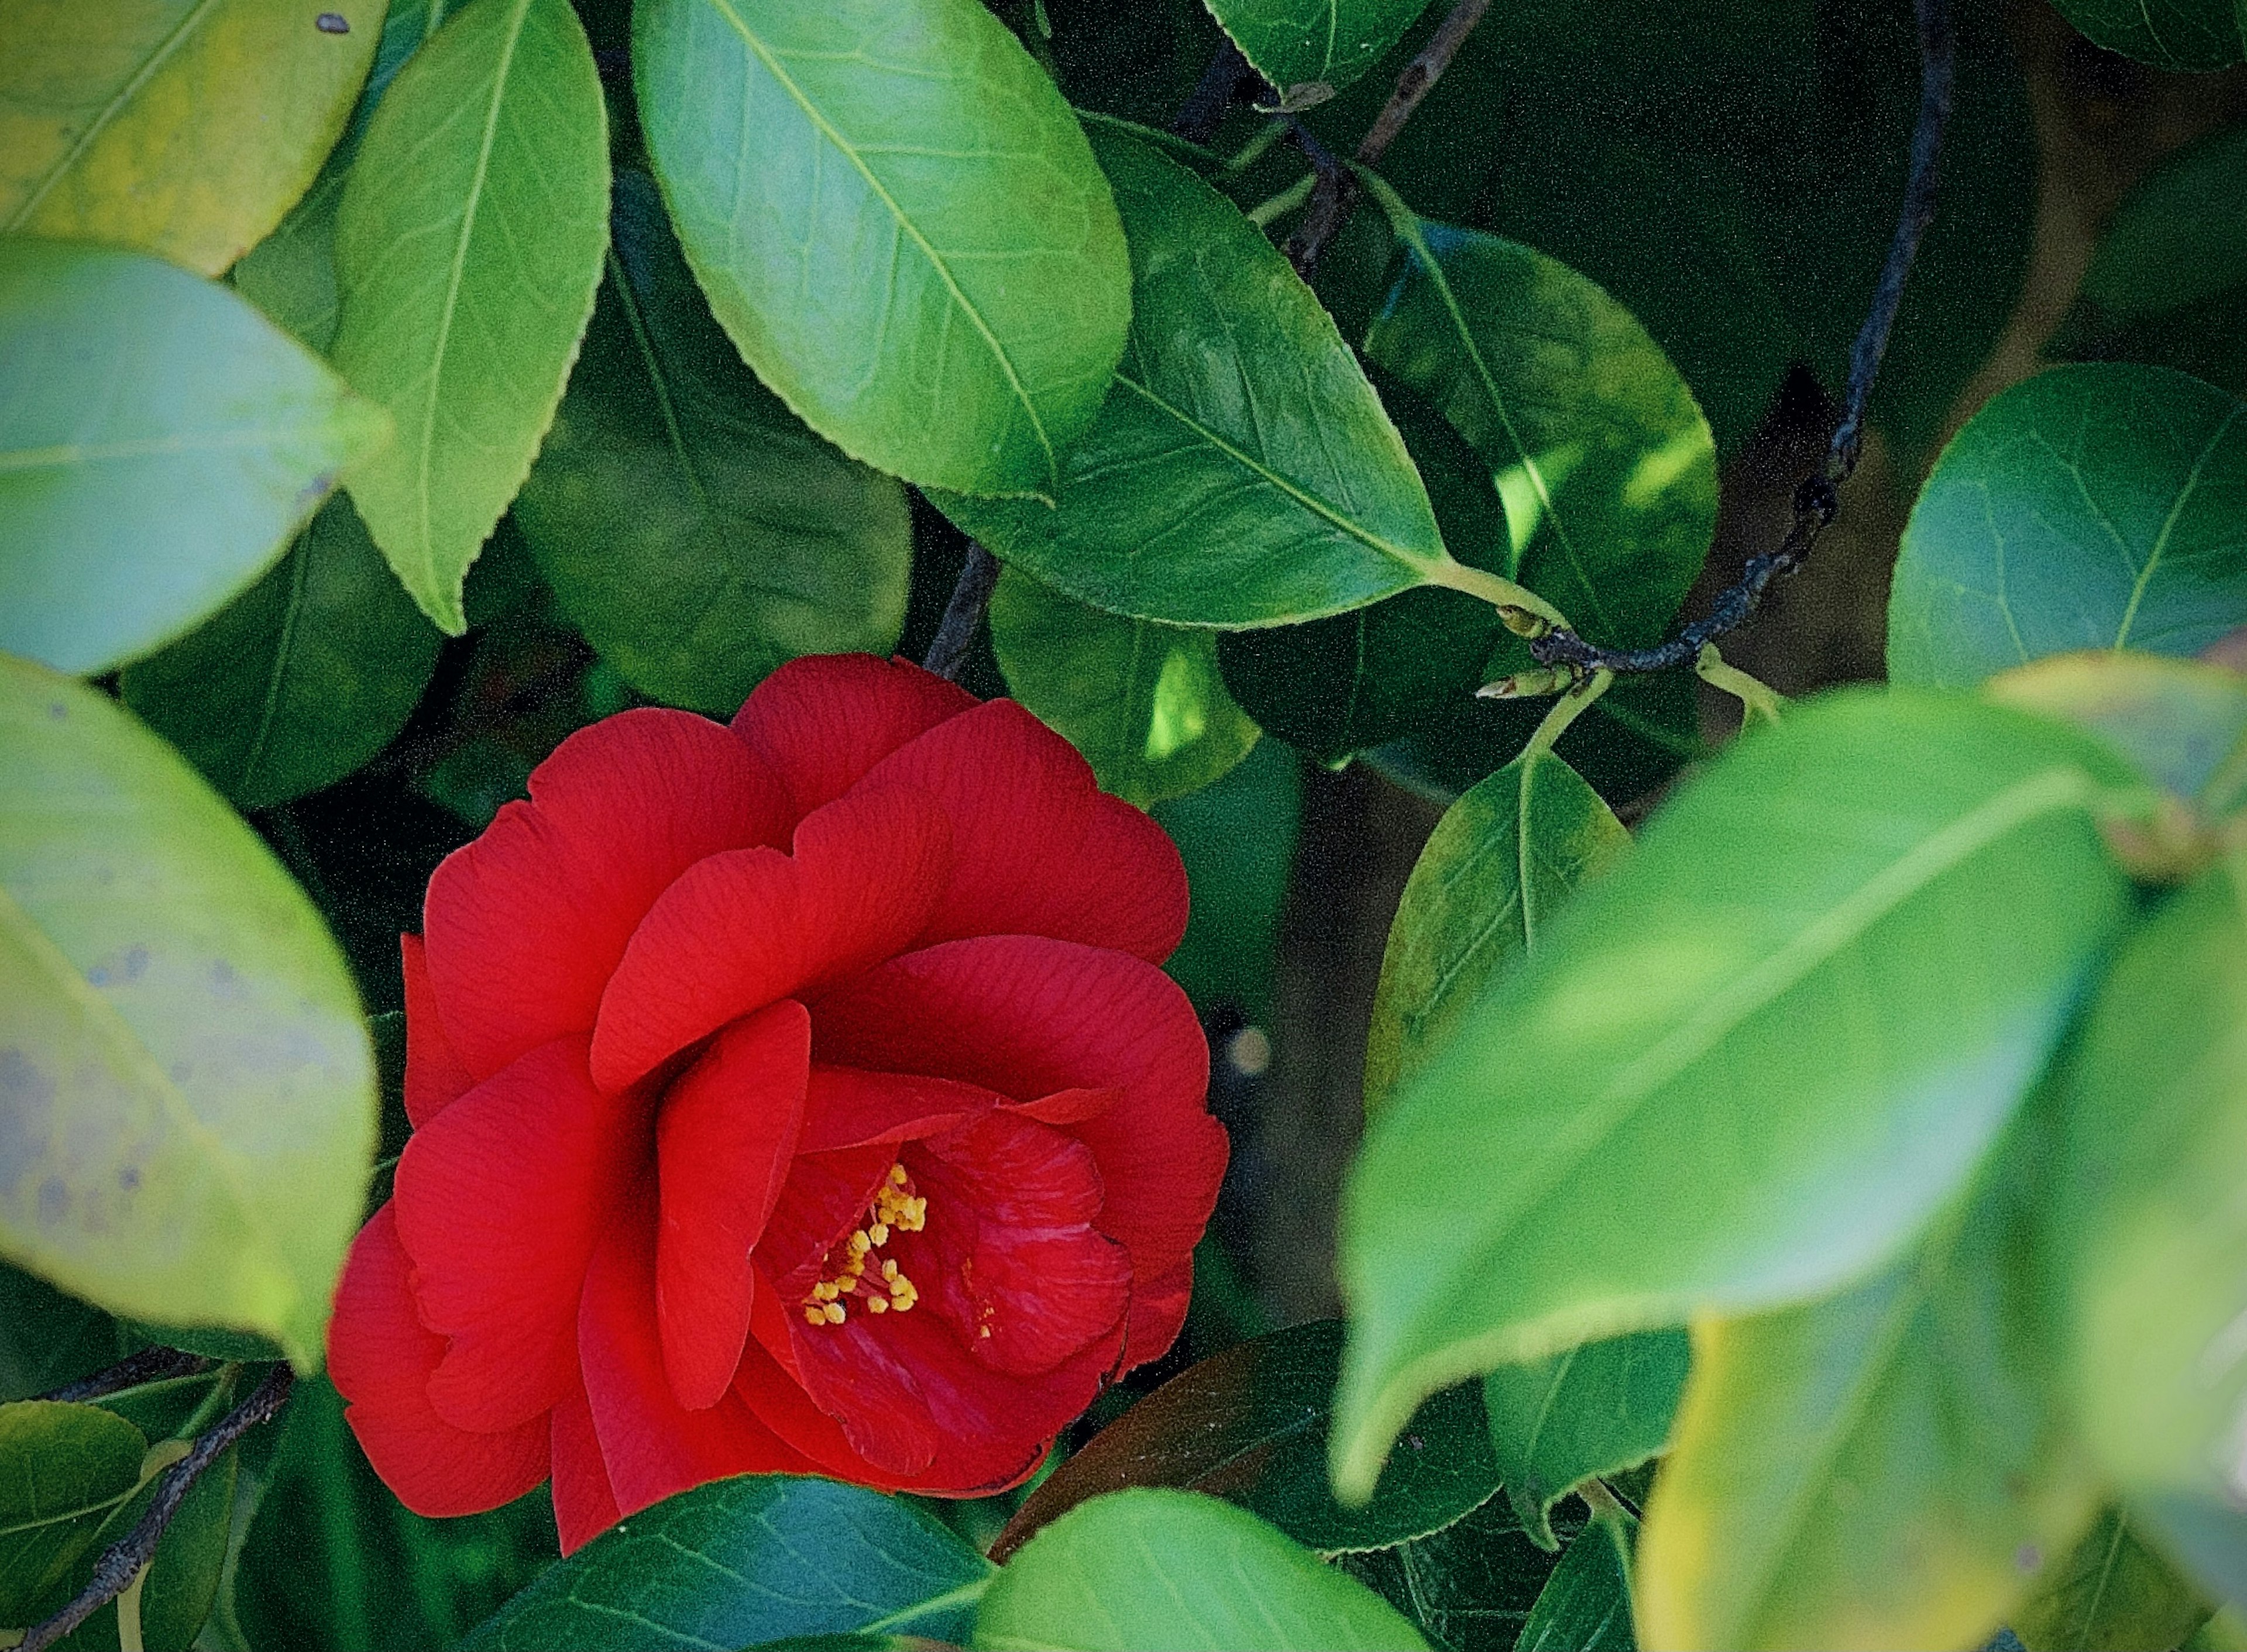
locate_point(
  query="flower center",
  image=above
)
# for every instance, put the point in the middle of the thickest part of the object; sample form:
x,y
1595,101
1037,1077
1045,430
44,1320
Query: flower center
x,y
896,1206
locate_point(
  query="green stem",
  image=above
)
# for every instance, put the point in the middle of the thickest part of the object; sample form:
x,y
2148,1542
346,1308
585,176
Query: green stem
x,y
1497,592
1759,699
1571,705
1257,147
1286,202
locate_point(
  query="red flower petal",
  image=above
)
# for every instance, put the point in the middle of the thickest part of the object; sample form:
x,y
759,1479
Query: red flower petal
x,y
1019,1272
1037,850
724,1135
585,1504
738,931
848,1107
826,1197
1068,1107
380,1357
436,1077
821,722
525,924
651,1444
1028,1016
499,1199
854,1372
774,1391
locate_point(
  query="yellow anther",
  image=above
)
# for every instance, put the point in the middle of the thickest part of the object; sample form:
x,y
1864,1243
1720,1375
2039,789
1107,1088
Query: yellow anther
x,y
835,1313
846,1286
985,1331
814,1314
877,1305
881,1230
898,1174
889,1270
904,1304
860,1244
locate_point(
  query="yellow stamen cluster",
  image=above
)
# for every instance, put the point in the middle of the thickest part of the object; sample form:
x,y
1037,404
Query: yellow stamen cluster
x,y
898,1208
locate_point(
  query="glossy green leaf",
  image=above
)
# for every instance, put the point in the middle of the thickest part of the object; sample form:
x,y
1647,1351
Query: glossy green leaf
x,y
1886,1467
1250,1426
1142,701
2183,722
1495,872
1310,49
302,678
2091,507
1237,838
182,1581
1604,464
468,244
1591,1410
2152,1220
1469,1587
184,127
1242,471
61,1467
898,221
332,1562
1337,685
186,1078
2109,1593
1167,1570
159,442
728,1565
2169,34
1910,885
291,274
1586,1605
689,524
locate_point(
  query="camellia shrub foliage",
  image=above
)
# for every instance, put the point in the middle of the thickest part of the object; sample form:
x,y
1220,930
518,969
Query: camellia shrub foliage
x,y
653,661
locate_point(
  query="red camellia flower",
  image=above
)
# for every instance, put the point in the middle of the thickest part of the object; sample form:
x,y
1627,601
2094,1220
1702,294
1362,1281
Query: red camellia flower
x,y
801,1096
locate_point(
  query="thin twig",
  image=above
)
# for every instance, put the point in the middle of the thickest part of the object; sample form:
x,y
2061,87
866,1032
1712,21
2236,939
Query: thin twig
x,y
122,1561
971,595
1818,500
1337,196
149,1365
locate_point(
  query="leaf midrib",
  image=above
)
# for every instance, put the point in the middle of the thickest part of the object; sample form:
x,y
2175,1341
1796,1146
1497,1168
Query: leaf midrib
x,y
2169,525
811,113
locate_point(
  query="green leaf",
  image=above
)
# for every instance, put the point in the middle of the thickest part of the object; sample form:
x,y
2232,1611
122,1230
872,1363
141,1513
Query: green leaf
x,y
1495,872
730,1564
48,1339
182,1580
159,442
1339,685
1178,1571
187,1081
302,678
1469,1587
911,244
1851,941
333,1562
2182,723
2174,34
1250,1426
2154,1252
1242,471
1604,464
2109,1591
689,524
61,1467
183,127
1586,1605
1311,49
1237,838
468,244
2091,507
1884,1467
1142,701
1594,1409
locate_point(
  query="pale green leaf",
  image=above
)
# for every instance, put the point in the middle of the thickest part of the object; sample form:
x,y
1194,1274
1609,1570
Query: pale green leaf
x,y
187,1094
1311,49
468,245
2183,722
159,441
898,221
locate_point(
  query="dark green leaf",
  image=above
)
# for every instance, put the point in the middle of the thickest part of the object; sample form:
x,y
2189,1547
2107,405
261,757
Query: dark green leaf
x,y
159,442
1178,1571
1496,869
1884,1467
2110,1593
182,1581
726,1564
1237,839
1469,1587
1586,1605
1851,941
183,1070
1142,701
62,1468
689,524
2091,506
912,244
1250,1426
302,678
1603,462
1599,1407
1242,471
467,247
185,128
2169,34
1310,49
48,1339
